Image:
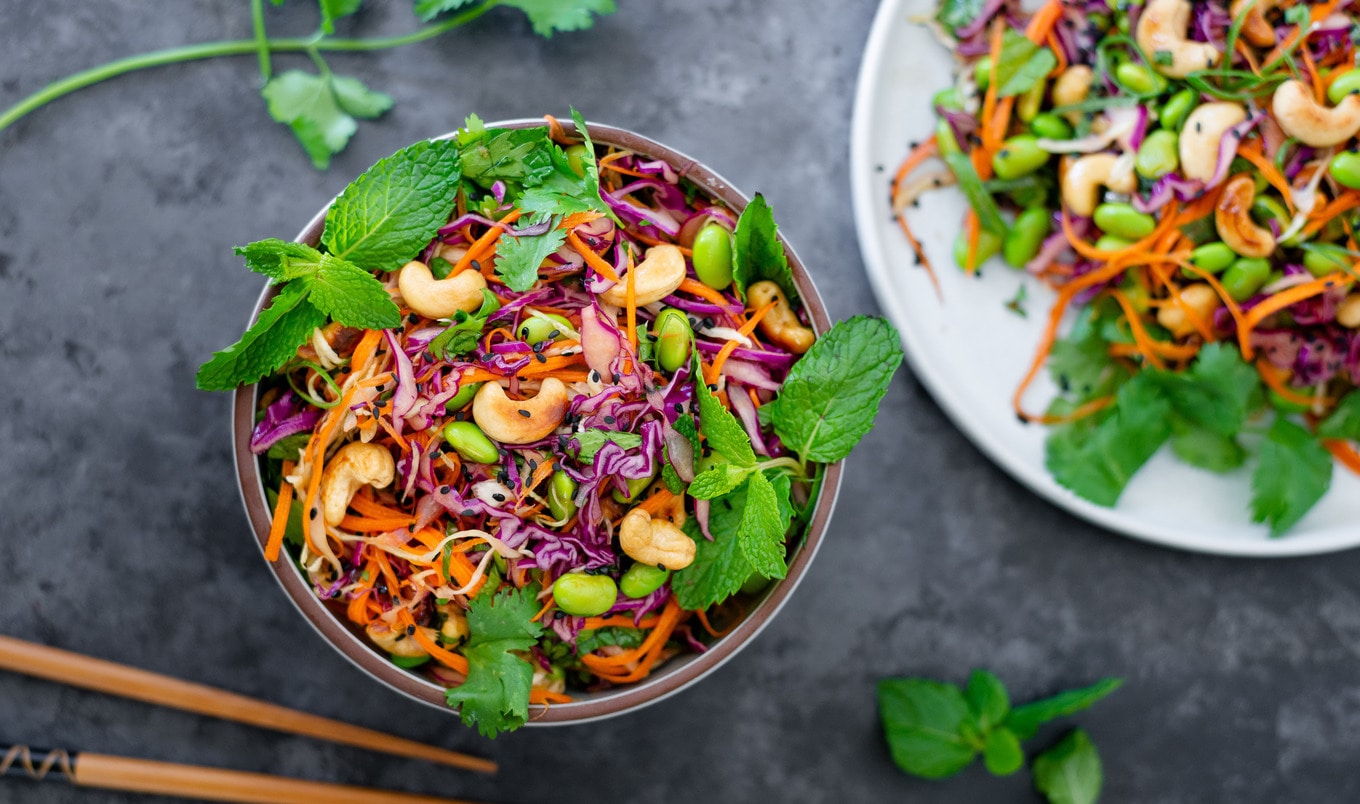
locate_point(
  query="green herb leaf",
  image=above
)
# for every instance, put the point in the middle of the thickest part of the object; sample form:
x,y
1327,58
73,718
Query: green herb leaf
x,y
672,480
1217,392
1292,474
1022,64
1017,302
720,566
724,433
270,342
764,521
757,252
519,258
987,699
429,9
440,268
989,216
1344,420
562,192
351,295
495,697
1002,753
319,109
830,398
332,10
718,481
590,640
925,724
958,13
1080,362
1097,462
288,447
393,210
1070,772
281,260
520,157
590,441
1204,448
1026,720
358,99
548,16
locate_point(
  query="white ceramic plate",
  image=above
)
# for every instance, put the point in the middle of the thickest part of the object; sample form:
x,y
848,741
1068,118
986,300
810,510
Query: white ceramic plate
x,y
971,352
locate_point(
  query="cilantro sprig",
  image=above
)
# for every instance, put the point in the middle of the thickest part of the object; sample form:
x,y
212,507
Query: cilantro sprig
x,y
495,696
322,108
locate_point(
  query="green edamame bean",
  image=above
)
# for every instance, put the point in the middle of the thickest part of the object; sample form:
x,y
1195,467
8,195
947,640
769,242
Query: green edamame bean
x,y
576,159
1345,168
1213,257
755,584
463,398
947,99
1111,242
1322,263
582,595
988,245
1031,100
982,73
549,327
1023,240
1122,220
945,139
409,662
1348,83
1245,276
1264,209
635,488
1139,79
1178,108
642,579
1050,126
468,440
712,255
1158,155
674,339
562,496
1019,156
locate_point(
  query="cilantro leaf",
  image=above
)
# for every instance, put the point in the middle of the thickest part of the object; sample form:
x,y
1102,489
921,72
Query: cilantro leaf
x,y
717,481
764,521
429,9
1217,393
392,211
1344,420
320,109
519,258
1080,362
590,441
724,433
831,395
495,697
465,333
520,157
270,342
1002,752
757,252
332,10
1096,462
925,723
358,99
1204,448
1025,720
1070,772
548,16
1293,473
351,295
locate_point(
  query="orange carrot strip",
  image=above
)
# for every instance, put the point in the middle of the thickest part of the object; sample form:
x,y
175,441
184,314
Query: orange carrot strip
x,y
592,259
1343,452
704,292
1275,379
280,521
1281,300
630,302
726,351
538,695
446,658
618,621
1252,153
483,244
918,155
579,218
1041,24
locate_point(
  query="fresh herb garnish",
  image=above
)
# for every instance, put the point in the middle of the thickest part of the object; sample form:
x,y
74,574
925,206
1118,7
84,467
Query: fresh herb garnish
x,y
1070,772
721,566
756,251
519,258
1293,474
495,696
590,441
463,335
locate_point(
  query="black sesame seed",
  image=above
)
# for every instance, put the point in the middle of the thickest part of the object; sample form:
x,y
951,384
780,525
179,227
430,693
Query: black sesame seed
x,y
412,318
498,497
594,375
554,334
540,358
311,514
609,420
616,378
410,630
469,512
443,489
679,408
476,265
526,414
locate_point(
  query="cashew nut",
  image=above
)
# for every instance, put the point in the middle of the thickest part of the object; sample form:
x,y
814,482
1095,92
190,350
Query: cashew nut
x,y
655,278
655,541
455,627
1072,87
1082,180
355,464
1255,28
396,642
521,421
781,324
1203,131
1232,218
1162,29
439,298
1348,312
1200,298
1302,117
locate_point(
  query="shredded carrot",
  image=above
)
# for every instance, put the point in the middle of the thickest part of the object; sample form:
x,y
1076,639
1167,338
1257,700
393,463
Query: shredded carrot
x,y
630,303
547,607
538,695
746,329
1140,336
280,521
1275,379
1319,91
447,658
618,621
592,259
1059,52
579,219
483,245
1343,452
991,139
1252,153
652,241
918,155
703,620
1041,25
1281,300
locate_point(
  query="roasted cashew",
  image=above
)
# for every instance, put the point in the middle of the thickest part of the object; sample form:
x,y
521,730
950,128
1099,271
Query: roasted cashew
x,y
1082,180
655,541
521,421
1200,298
1232,218
455,627
655,278
395,642
439,298
1302,117
781,324
1255,28
1203,131
355,464
1348,312
1162,29
1072,87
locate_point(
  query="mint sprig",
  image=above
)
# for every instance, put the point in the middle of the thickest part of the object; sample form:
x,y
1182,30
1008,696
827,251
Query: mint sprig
x,y
1070,772
757,252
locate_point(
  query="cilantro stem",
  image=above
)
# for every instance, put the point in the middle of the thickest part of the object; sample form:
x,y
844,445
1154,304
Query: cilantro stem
x,y
261,38
262,46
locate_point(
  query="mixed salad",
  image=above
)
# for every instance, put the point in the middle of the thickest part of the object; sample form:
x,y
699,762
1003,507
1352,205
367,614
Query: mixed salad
x,y
538,415
1185,175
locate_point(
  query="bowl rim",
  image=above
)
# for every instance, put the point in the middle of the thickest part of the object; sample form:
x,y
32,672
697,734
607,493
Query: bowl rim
x,y
675,675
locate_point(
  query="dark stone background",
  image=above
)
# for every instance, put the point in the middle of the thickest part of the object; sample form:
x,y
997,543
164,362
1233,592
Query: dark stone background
x,y
123,535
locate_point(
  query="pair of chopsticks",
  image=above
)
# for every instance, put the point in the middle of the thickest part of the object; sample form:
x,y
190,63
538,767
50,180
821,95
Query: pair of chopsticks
x,y
144,776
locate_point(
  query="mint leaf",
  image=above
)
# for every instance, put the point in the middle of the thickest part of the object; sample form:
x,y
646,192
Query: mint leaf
x,y
519,258
307,104
987,699
1344,420
351,295
1204,448
1097,462
332,10
590,441
1070,772
495,697
280,260
1002,753
547,16
925,724
724,433
764,521
387,215
270,342
720,566
830,398
1293,473
757,252
718,481
1026,720
1217,392
1022,64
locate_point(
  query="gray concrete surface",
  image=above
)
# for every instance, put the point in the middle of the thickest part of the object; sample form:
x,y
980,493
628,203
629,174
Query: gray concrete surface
x,y
121,534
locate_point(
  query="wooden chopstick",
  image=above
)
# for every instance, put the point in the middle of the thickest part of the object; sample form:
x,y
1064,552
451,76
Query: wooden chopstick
x,y
192,781
78,670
